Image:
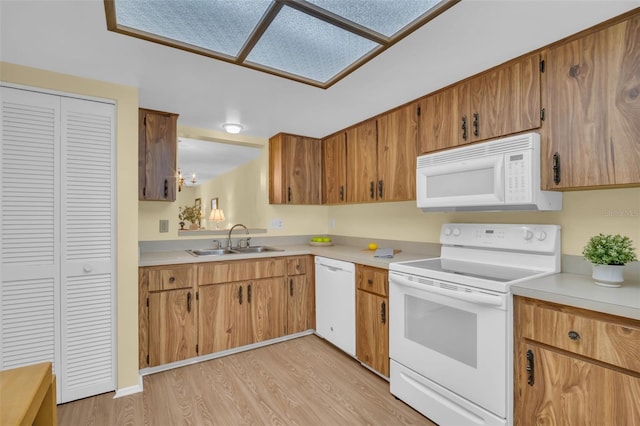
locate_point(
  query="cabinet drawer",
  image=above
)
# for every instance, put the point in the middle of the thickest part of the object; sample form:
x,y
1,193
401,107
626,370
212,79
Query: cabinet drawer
x,y
170,278
297,265
225,272
373,280
602,337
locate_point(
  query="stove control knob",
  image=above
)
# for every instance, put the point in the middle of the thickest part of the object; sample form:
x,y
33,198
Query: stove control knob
x,y
447,232
541,235
456,232
527,234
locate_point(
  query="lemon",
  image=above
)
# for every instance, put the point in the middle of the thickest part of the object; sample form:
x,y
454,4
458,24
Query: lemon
x,y
372,246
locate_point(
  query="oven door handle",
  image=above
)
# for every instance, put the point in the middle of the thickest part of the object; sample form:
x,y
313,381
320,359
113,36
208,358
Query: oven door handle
x,y
474,297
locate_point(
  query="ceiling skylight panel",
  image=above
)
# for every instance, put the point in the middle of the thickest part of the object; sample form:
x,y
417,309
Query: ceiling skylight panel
x,y
217,25
386,17
299,44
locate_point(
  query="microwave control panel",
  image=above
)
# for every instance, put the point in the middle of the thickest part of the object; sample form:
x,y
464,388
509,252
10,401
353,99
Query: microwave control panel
x,y
518,185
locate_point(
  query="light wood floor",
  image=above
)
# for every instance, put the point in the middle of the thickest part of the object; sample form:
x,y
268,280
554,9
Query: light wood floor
x,y
304,381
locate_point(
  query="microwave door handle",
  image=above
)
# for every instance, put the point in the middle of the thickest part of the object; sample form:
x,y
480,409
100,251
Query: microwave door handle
x,y
484,299
498,180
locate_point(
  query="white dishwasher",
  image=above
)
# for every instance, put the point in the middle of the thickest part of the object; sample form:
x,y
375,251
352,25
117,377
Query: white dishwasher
x,y
336,303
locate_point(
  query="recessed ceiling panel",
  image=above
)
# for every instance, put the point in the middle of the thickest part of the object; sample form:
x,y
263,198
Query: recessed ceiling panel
x,y
317,42
216,25
386,17
299,44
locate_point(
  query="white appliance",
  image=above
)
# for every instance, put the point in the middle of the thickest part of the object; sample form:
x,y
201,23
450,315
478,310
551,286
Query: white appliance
x,y
336,303
502,174
450,336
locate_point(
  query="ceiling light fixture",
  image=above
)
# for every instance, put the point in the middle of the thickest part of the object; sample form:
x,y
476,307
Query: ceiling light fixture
x,y
233,128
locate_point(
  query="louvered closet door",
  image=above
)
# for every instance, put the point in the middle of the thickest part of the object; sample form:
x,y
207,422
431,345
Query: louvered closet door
x,y
88,257
29,235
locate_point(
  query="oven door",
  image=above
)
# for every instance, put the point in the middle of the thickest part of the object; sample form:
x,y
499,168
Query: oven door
x,y
452,335
464,183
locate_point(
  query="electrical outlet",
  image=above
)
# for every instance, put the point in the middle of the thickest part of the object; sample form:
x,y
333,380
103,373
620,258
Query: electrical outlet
x,y
332,223
164,225
276,224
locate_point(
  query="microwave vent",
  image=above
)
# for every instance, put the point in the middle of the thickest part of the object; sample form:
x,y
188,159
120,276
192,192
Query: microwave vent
x,y
515,143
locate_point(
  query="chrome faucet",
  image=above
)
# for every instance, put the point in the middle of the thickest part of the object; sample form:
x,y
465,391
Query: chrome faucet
x,y
231,230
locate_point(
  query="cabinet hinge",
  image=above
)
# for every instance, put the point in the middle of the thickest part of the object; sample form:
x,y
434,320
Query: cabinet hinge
x,y
542,114
147,359
542,66
197,348
419,110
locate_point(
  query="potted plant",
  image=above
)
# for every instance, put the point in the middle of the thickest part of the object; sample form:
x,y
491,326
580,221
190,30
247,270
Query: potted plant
x,y
190,213
608,255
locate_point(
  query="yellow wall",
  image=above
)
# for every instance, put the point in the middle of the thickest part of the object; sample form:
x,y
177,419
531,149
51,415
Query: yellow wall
x,y
243,195
127,203
584,214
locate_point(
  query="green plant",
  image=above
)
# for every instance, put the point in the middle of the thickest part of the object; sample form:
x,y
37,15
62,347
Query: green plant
x,y
191,213
609,250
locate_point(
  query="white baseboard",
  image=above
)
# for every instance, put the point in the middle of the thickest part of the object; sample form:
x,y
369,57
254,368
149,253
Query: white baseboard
x,y
130,390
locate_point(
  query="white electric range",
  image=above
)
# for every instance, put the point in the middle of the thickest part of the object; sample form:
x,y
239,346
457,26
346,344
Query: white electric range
x,y
450,337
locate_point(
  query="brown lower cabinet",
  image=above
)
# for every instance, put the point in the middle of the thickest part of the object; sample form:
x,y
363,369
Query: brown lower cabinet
x,y
574,366
372,318
196,309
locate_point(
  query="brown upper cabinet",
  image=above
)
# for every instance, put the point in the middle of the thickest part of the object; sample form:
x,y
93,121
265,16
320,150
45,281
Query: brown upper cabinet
x,y
157,146
498,102
593,110
295,170
381,157
334,169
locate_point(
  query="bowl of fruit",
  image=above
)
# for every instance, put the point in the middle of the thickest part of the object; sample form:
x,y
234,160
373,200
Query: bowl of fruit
x,y
321,241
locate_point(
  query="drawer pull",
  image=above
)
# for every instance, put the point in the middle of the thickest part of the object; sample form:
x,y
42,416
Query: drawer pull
x,y
370,282
574,335
172,280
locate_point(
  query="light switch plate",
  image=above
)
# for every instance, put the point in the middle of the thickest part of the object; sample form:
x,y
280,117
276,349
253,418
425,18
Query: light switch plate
x,y
164,225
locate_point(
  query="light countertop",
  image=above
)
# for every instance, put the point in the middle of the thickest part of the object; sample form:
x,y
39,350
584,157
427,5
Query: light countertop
x,y
580,291
339,252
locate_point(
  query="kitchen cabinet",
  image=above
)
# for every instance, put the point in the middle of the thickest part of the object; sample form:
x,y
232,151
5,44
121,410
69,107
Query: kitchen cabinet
x,y
575,366
381,157
372,312
301,294
295,170
592,104
157,146
240,302
501,101
362,162
167,308
334,169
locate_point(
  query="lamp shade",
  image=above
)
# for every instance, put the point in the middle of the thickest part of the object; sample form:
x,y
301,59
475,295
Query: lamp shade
x,y
217,215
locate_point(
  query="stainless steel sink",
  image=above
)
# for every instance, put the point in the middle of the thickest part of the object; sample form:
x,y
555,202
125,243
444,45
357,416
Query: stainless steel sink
x,y
209,252
256,249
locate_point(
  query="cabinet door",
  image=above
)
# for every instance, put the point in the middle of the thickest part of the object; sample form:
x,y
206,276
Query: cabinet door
x,y
440,122
300,304
334,154
504,100
593,103
362,161
157,155
372,331
570,391
295,170
397,151
267,309
223,317
172,326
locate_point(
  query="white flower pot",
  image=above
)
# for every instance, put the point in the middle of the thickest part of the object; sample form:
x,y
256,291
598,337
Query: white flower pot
x,y
608,275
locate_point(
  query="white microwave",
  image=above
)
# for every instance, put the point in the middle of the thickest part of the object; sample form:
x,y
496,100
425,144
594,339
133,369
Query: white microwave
x,y
502,174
